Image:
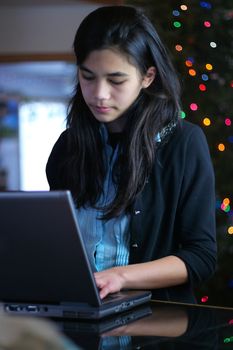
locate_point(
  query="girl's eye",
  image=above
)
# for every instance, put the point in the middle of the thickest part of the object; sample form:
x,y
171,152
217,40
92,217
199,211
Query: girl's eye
x,y
87,77
116,82
91,77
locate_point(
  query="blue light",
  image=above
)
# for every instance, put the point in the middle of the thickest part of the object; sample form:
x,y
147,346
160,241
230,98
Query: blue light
x,y
191,59
176,13
206,5
205,77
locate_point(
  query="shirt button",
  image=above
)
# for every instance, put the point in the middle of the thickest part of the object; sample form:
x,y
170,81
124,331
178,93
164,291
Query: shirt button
x,y
134,245
137,212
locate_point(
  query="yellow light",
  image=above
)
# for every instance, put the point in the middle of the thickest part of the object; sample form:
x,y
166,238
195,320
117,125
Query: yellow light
x,y
230,230
192,72
226,201
184,7
209,66
206,121
221,147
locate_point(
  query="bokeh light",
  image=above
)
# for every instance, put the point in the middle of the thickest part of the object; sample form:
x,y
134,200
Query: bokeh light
x,y
188,63
182,114
209,66
228,340
213,44
206,121
178,47
221,147
206,5
204,299
202,87
176,13
192,72
177,24
193,107
226,201
207,24
228,122
204,77
184,7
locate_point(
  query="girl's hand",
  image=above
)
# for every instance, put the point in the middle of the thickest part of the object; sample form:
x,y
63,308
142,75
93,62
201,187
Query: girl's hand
x,y
162,273
109,281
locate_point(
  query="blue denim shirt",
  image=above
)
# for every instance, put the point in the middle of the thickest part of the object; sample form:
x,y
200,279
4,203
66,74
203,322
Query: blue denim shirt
x,y
107,242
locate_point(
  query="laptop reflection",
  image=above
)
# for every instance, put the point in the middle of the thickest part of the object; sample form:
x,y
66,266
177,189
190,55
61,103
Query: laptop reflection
x,y
161,326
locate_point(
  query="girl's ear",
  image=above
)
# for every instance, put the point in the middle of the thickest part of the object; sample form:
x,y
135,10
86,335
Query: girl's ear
x,y
149,77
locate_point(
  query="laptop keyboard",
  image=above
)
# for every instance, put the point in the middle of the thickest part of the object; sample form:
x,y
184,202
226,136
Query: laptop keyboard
x,y
112,297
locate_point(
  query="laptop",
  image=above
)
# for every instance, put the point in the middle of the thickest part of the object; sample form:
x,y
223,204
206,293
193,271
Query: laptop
x,y
45,270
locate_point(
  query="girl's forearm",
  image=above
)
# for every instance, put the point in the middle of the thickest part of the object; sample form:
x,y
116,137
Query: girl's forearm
x,y
161,273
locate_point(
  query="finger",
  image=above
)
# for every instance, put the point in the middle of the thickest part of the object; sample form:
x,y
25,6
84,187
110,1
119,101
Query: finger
x,y
100,283
104,292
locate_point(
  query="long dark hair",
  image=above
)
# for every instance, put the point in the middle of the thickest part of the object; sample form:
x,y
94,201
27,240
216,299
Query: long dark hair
x,y
132,33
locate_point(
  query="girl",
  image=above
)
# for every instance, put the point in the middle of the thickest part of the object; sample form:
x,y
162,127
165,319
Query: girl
x,y
142,179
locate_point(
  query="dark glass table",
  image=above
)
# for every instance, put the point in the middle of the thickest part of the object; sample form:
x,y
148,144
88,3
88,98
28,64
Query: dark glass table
x,y
157,325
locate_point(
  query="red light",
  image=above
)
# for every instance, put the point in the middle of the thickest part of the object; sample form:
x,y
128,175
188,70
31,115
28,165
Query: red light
x,y
204,299
202,87
207,24
193,106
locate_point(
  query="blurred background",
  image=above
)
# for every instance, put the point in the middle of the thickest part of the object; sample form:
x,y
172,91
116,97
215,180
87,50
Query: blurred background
x,y
37,77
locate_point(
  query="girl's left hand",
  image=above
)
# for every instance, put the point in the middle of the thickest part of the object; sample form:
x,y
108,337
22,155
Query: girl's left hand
x,y
109,281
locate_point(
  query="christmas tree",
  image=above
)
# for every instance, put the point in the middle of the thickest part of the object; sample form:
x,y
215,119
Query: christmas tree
x,y
199,37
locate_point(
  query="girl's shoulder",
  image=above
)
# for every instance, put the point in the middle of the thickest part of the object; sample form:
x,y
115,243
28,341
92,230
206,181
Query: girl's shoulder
x,y
187,127
185,137
60,148
62,142
184,130
63,137
190,133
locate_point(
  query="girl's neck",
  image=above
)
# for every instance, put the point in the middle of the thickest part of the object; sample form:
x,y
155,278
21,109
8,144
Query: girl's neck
x,y
118,125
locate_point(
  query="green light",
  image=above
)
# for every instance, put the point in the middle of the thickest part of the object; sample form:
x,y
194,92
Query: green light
x,y
228,340
182,114
177,24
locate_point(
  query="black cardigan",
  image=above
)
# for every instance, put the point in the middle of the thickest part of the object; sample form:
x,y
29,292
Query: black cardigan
x,y
175,212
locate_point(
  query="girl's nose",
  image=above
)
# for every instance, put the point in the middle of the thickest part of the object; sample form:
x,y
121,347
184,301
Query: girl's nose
x,y
102,90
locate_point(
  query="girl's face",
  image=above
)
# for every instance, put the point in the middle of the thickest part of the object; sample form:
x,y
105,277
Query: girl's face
x,y
110,84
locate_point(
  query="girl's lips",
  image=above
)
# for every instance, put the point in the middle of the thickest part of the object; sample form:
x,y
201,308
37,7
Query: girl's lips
x,y
101,109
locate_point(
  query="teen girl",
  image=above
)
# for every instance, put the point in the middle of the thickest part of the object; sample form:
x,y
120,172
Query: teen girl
x,y
141,178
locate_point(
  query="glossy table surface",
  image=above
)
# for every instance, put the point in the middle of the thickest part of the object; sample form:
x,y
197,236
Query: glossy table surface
x,y
157,325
